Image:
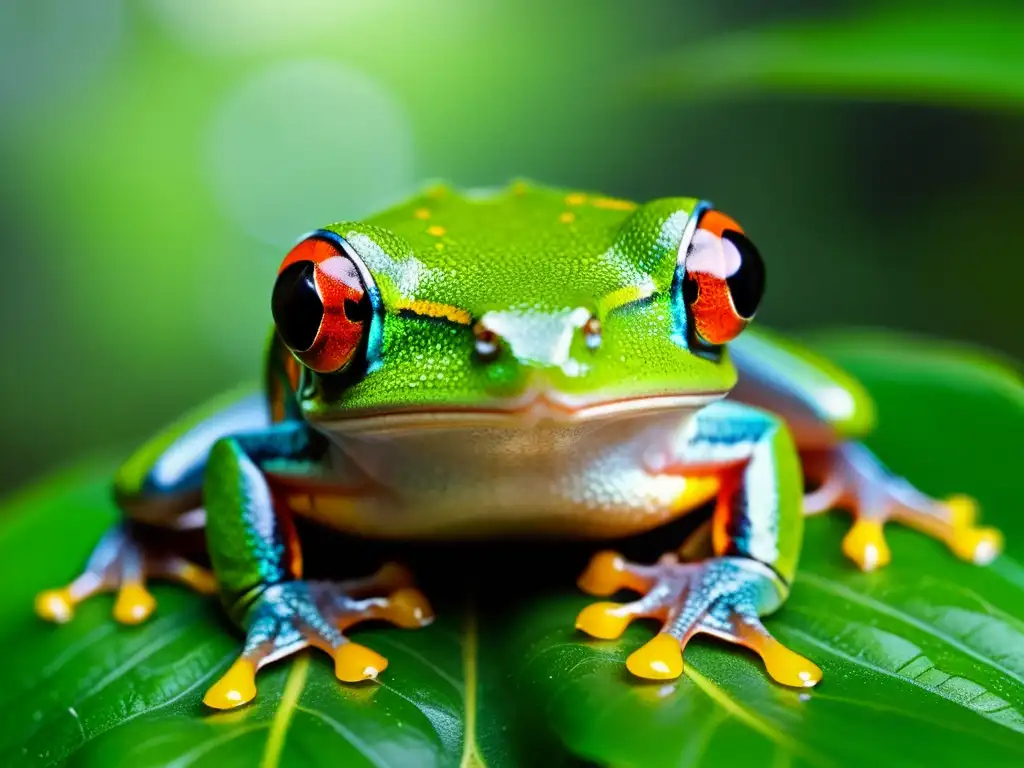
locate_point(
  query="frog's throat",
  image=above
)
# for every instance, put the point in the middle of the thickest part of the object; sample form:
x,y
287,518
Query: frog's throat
x,y
521,413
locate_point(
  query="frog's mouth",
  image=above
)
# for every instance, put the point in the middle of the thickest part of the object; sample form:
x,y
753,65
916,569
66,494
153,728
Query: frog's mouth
x,y
529,410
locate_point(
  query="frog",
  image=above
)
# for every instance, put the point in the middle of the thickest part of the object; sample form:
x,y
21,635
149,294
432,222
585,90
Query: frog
x,y
525,360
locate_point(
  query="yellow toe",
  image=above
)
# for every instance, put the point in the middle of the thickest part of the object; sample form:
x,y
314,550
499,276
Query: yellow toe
x,y
134,604
354,662
865,545
659,659
409,608
978,545
788,667
235,688
605,575
963,510
605,621
55,605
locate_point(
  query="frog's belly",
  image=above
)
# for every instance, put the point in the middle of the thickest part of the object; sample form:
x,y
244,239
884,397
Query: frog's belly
x,y
583,479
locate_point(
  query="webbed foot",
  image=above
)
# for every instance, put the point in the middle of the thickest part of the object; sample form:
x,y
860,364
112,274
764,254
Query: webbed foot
x,y
854,477
289,617
723,596
121,563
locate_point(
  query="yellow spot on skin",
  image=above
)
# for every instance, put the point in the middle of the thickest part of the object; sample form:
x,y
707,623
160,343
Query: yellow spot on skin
x,y
235,688
354,663
433,309
661,658
568,217
422,213
605,621
612,204
576,198
439,246
625,295
436,231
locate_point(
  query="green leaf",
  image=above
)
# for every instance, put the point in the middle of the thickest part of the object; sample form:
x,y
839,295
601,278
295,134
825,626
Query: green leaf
x,y
961,54
923,662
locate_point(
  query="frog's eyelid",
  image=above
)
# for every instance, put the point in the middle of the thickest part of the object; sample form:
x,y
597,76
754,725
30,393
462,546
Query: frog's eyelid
x,y
690,229
375,338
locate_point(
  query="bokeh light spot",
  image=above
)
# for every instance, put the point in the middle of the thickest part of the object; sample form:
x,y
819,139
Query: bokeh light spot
x,y
233,26
305,144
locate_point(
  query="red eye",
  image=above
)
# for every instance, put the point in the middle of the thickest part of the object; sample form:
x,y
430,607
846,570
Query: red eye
x,y
725,278
320,304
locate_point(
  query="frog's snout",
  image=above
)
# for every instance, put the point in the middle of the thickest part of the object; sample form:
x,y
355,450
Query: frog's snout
x,y
538,339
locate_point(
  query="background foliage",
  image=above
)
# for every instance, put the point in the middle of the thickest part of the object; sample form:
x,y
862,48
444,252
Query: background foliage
x,y
159,156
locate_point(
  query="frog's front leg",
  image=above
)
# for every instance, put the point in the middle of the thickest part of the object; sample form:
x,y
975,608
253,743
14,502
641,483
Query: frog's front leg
x,y
257,561
828,412
757,529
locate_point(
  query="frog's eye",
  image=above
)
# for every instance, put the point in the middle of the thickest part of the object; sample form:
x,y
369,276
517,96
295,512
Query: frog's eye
x,y
321,304
724,278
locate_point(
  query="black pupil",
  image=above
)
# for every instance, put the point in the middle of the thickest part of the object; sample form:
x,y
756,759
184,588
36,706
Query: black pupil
x,y
746,286
296,305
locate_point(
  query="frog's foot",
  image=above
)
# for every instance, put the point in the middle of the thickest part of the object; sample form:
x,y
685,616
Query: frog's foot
x,y
294,615
854,477
722,596
121,563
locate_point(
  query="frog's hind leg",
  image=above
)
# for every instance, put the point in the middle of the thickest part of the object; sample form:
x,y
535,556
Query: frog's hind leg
x,y
852,477
829,412
159,490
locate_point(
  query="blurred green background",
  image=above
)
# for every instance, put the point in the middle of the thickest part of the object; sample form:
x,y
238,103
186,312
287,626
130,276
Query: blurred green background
x,y
159,157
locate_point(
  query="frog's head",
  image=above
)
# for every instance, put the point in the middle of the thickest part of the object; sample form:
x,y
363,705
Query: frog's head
x,y
526,303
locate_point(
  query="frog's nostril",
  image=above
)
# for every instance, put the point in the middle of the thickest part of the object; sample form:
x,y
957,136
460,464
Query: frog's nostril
x,y
592,332
487,344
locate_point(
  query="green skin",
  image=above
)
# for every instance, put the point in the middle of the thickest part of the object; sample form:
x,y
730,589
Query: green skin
x,y
522,258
